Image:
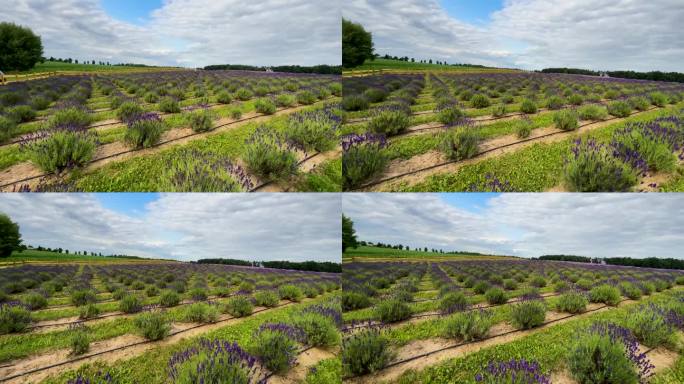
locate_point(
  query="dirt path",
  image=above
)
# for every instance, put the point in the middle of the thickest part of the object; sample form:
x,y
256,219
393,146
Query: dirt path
x,y
305,361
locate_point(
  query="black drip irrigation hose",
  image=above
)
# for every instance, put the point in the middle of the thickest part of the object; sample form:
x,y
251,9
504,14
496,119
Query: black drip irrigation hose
x,y
421,315
426,354
480,154
76,359
138,149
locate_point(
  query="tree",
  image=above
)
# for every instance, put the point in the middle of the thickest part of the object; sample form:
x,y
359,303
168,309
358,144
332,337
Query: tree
x,y
10,238
357,44
20,48
348,234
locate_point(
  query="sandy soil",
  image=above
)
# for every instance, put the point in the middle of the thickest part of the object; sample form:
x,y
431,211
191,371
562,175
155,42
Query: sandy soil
x,y
305,361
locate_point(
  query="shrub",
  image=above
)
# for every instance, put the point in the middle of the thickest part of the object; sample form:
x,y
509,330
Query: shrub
x,y
224,97
513,371
169,299
88,311
560,286
79,340
269,156
83,297
243,94
153,325
679,280
236,114
592,112
468,326
35,301
554,102
647,287
575,99
605,294
7,128
480,101
151,97
528,314
290,292
312,130
128,111
198,294
276,347
152,291
572,302
200,313
658,99
144,131
510,284
69,118
362,158
528,106
496,296
62,149
306,97
566,120
318,330
285,101
40,103
639,103
650,326
499,110
239,306
601,358
266,299
265,106
200,120
169,105
354,300
450,115
130,304
593,168
480,287
355,103
13,318
20,113
630,290
212,361
538,281
459,144
619,109
389,121
364,352
392,310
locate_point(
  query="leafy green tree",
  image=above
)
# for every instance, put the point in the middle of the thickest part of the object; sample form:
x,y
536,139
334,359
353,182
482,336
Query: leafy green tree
x,y
348,234
10,238
20,48
357,44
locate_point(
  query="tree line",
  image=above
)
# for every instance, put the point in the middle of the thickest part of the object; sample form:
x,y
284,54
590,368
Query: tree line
x,y
649,262
653,75
322,69
310,266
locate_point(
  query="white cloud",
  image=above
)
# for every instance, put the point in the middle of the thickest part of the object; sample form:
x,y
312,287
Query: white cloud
x,y
294,227
602,225
188,32
533,34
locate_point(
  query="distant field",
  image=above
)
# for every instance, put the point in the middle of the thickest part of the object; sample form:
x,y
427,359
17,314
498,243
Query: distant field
x,y
45,256
379,253
380,64
53,66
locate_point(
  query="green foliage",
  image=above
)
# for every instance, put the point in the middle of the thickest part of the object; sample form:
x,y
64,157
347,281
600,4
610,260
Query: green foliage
x,y
20,48
239,306
362,162
575,99
392,310
538,281
649,325
306,97
592,112
364,352
313,131
639,103
619,109
597,170
169,105
656,152
354,300
510,284
35,301
290,292
200,313
200,120
82,297
130,304
79,340
658,99
265,106
605,294
244,94
275,349
528,314
480,287
144,133
88,311
7,128
375,95
480,101
572,302
128,111
62,149
528,106
496,296
453,301
460,143
357,44
10,237
596,359
566,120
69,118
554,102
355,103
450,115
349,239
266,299
499,110
13,319
153,325
468,326
326,371
285,101
630,290
169,299
319,330
389,121
20,113
267,157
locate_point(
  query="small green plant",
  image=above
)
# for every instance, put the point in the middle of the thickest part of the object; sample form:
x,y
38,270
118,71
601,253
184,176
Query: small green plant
x,y
496,296
224,97
285,101
306,97
593,168
479,101
129,111
528,106
318,330
606,294
88,311
510,284
650,326
290,292
83,297
169,299
198,294
151,97
619,109
13,318
79,340
499,110
355,103
200,120
153,325
354,300
658,99
390,311
239,306
151,291
20,113
375,95
200,313
572,302
364,352
575,99
244,94
598,358
265,106
35,301
639,103
276,348
169,105
69,118
144,131
7,128
130,304
389,121
566,119
480,287
62,149
450,115
468,326
267,299
528,314
630,290
269,156
460,143
592,112
538,281
362,158
555,102
314,131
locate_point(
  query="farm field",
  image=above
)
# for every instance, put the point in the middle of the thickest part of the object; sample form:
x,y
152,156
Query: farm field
x,y
390,65
364,252
161,322
469,321
175,131
508,132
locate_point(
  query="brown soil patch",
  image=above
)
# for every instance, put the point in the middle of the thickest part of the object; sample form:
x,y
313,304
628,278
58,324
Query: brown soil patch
x,y
305,361
501,328
17,172
562,377
418,347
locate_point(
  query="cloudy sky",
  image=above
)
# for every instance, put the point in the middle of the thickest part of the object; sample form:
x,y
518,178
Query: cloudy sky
x,y
279,226
529,34
528,225
190,33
